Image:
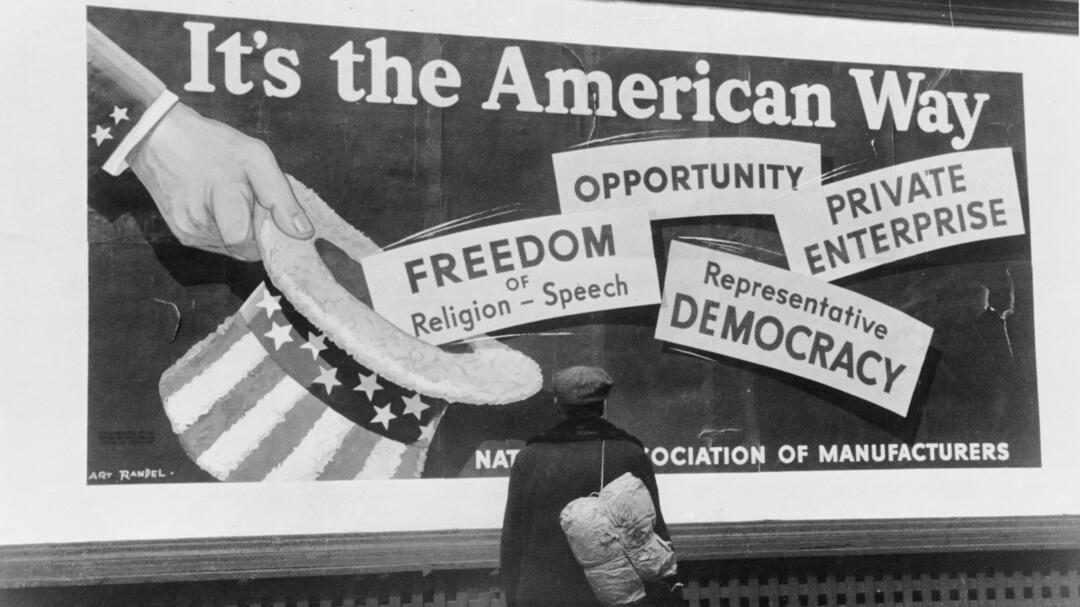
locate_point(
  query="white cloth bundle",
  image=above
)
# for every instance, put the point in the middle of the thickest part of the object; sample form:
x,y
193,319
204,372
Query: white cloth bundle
x,y
612,537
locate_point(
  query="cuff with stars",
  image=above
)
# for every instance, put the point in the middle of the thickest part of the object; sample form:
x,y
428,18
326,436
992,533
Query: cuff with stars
x,y
117,122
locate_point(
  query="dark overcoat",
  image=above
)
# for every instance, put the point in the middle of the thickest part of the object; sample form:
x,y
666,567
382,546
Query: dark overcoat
x,y
555,468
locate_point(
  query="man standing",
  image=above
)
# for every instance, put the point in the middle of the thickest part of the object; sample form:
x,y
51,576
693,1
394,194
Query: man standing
x,y
555,468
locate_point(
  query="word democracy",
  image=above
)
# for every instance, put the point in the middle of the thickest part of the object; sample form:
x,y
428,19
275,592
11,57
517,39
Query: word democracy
x,y
799,342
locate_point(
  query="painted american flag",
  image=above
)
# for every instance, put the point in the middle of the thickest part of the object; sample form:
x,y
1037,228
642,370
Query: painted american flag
x,y
267,397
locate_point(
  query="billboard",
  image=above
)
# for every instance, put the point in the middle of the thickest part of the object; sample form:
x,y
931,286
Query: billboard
x,y
295,270
787,264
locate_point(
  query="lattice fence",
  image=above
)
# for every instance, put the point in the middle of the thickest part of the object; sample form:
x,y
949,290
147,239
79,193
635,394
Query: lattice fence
x,y
994,580
927,581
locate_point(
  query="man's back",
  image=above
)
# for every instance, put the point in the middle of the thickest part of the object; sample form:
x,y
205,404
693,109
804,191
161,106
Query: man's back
x,y
554,469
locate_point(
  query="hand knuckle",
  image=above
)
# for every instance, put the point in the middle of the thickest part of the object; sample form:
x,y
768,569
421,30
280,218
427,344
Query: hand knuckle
x,y
259,147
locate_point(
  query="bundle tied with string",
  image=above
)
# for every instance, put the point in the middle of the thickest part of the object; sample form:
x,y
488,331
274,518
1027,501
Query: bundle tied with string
x,y
611,535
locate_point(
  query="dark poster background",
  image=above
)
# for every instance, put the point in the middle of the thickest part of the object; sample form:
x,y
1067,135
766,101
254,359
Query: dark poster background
x,y
393,170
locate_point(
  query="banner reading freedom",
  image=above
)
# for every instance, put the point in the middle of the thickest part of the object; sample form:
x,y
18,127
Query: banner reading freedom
x,y
687,177
862,222
733,306
481,280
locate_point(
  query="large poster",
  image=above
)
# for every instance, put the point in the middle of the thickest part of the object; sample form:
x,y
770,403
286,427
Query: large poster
x,y
786,264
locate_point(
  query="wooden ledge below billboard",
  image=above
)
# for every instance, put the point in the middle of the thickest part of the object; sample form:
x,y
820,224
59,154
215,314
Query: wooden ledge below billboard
x,y
182,560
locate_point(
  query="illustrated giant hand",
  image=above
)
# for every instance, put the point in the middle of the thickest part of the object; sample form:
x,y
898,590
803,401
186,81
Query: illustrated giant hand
x,y
306,381
204,176
206,179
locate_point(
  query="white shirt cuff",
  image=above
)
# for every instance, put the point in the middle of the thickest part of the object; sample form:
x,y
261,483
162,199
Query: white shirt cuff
x,y
117,162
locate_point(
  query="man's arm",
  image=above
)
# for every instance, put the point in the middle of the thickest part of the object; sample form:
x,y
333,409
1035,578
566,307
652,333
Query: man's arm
x,y
120,68
648,477
510,546
204,176
663,591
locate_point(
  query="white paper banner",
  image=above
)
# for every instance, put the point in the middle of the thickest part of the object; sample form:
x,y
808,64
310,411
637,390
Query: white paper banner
x,y
687,177
486,279
722,303
863,222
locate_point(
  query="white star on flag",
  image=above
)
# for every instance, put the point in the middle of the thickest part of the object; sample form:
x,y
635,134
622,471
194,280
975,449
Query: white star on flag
x,y
101,134
270,303
327,378
280,335
426,432
414,405
383,416
315,343
369,385
118,114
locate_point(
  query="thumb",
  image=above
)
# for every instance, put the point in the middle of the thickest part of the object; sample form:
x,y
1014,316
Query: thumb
x,y
272,192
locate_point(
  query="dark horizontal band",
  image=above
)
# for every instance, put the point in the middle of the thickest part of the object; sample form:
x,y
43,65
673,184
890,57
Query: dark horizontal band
x,y
182,560
1049,16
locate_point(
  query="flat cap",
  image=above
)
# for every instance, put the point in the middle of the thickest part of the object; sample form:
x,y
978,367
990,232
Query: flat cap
x,y
582,385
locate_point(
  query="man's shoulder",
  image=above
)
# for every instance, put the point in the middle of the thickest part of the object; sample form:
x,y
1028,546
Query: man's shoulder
x,y
616,446
541,449
531,452
628,449
538,449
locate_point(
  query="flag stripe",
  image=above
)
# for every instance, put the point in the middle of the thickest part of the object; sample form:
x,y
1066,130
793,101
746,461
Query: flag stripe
x,y
316,449
384,459
229,409
244,436
349,460
412,462
202,354
243,409
192,400
281,441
